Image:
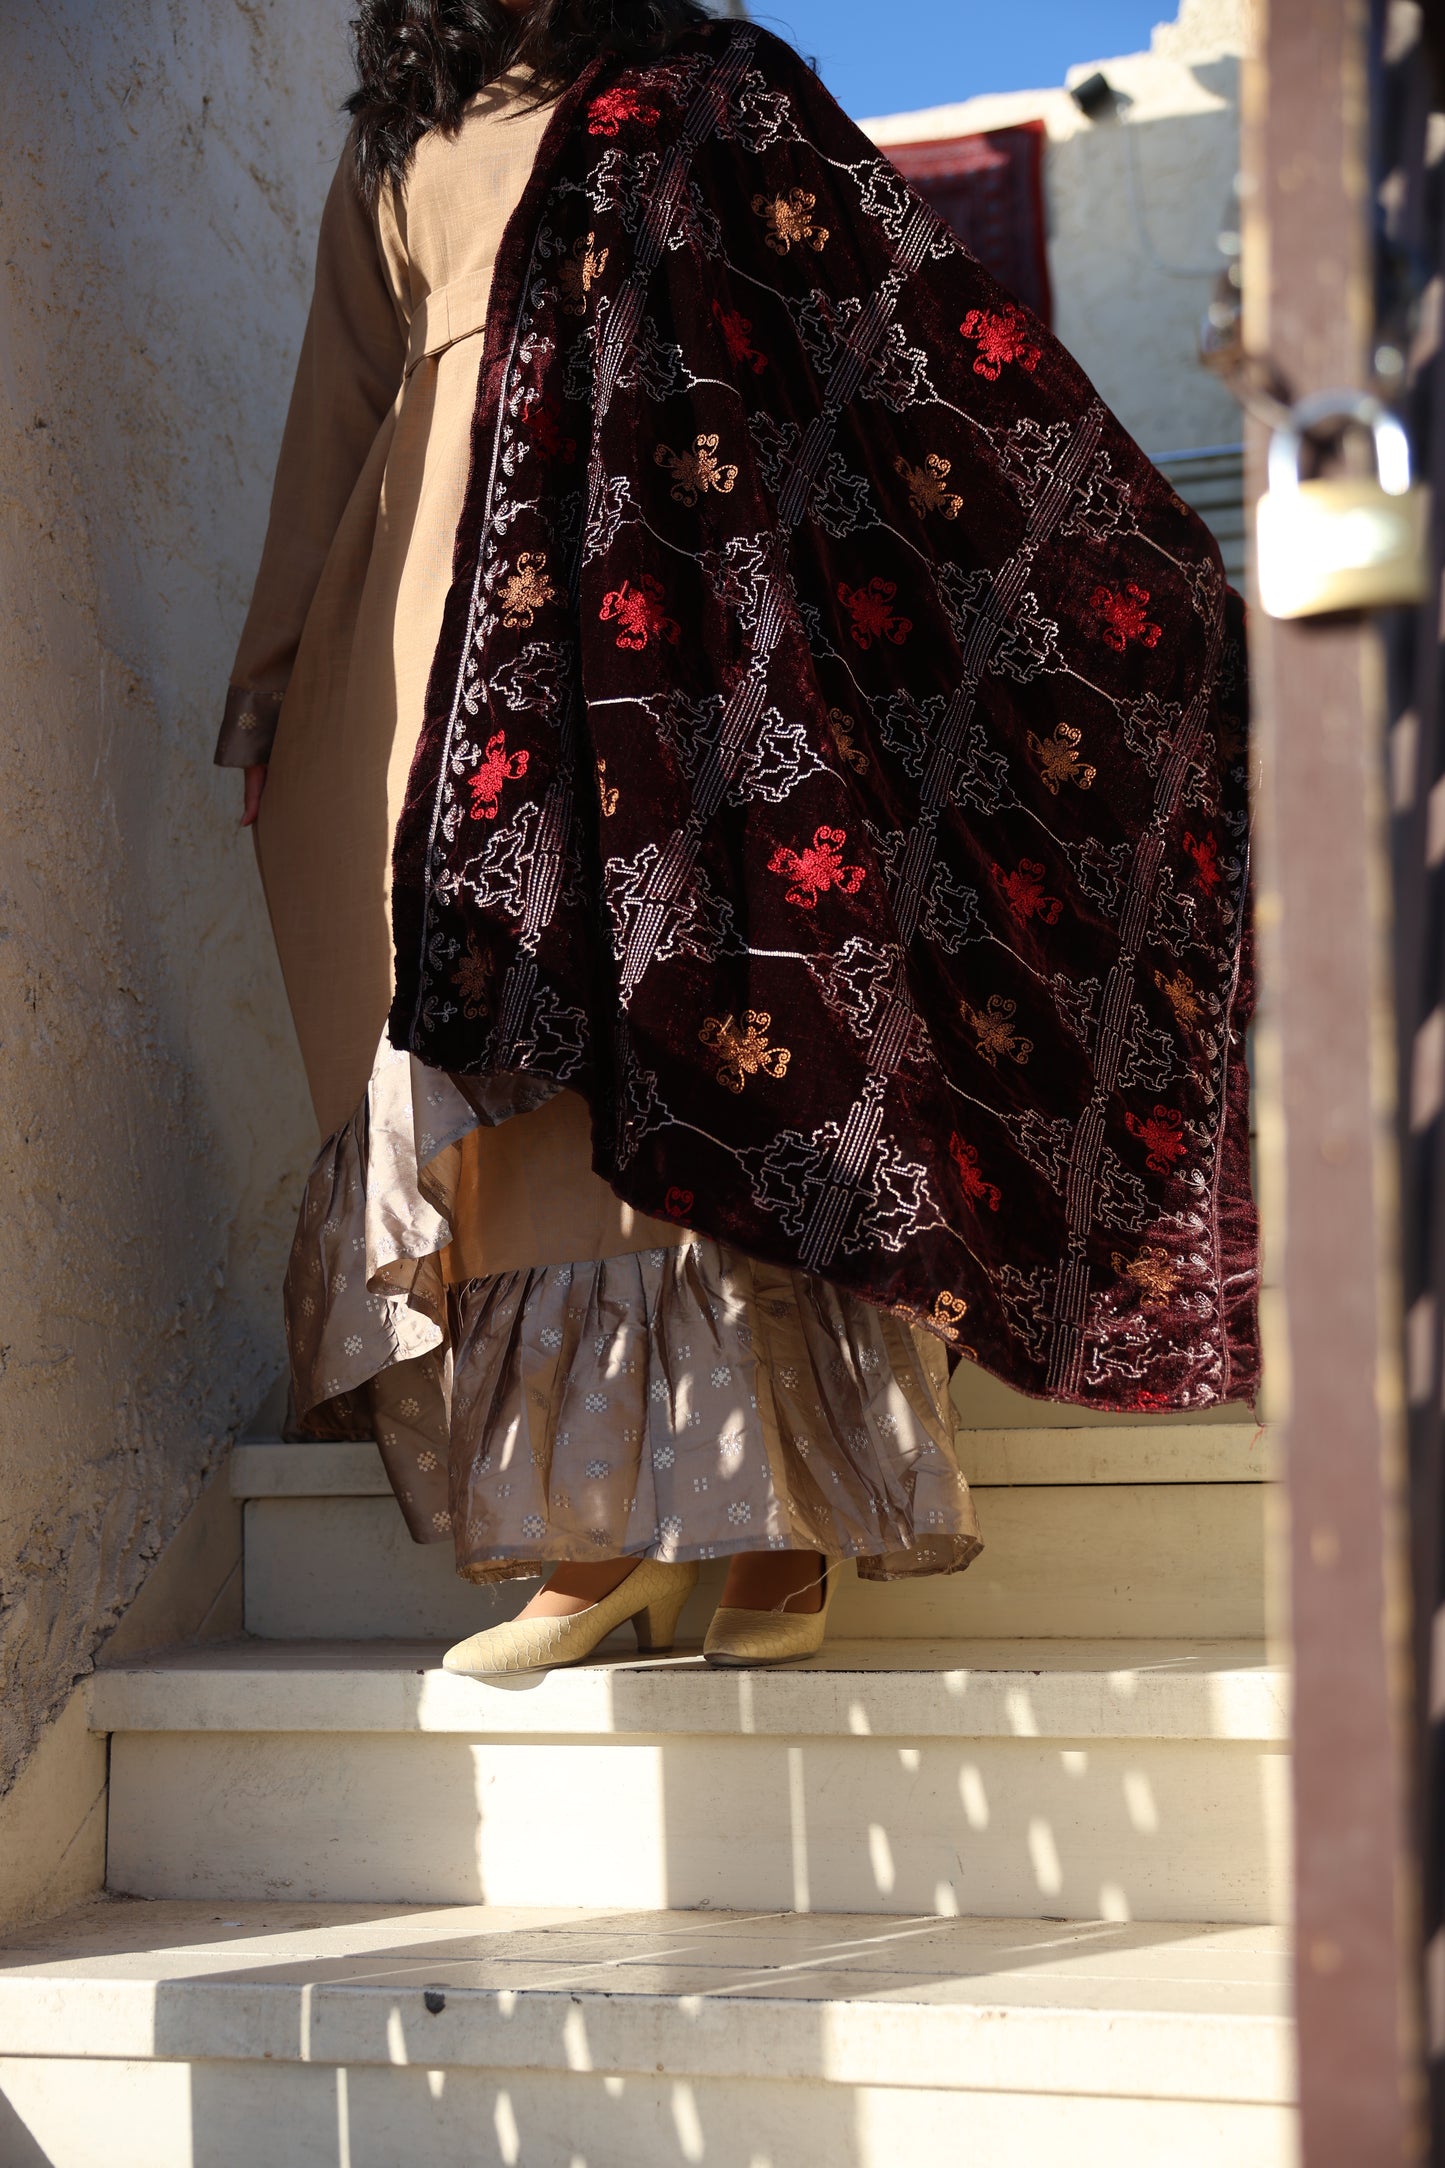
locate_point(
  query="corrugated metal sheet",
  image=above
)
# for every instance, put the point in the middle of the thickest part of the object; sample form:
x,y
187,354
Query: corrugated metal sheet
x,y
1210,479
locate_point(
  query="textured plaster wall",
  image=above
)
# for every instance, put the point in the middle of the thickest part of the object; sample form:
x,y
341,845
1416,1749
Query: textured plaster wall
x,y
164,165
1135,205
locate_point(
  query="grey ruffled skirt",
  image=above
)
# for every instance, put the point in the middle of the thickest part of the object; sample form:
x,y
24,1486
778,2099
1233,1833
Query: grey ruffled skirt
x,y
673,1403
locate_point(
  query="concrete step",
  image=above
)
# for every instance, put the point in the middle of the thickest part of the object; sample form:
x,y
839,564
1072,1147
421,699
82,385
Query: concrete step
x,y
285,2035
328,1556
1115,1453
1038,1779
1093,1449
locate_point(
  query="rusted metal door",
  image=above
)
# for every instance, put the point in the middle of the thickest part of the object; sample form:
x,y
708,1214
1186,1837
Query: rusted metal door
x,y
1328,1086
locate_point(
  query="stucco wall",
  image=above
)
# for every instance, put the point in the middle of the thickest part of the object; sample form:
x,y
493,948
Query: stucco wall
x,y
165,161
1135,203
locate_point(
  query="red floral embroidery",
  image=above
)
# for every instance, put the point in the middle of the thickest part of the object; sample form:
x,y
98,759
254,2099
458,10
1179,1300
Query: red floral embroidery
x,y
677,1204
1204,850
737,334
817,869
498,767
1152,1400
975,1189
872,612
1001,335
637,607
1122,617
606,114
1025,892
1163,1136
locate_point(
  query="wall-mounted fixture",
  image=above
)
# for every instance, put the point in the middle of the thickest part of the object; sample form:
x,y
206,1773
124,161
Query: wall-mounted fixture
x,y
1096,97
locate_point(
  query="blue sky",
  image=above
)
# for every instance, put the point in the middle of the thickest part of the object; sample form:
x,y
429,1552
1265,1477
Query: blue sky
x,y
886,56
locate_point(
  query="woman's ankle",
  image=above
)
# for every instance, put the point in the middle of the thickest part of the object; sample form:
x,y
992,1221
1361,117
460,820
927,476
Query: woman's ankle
x,y
774,1581
575,1585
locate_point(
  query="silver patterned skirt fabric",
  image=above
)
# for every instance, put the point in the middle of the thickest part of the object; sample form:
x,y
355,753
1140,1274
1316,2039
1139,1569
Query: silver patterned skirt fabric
x,y
674,1403
689,1403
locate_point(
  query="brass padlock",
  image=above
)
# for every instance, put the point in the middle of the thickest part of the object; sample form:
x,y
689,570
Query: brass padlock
x,y
1343,543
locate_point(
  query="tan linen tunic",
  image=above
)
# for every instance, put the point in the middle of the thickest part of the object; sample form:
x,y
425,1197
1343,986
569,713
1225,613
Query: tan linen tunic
x,y
337,649
597,1382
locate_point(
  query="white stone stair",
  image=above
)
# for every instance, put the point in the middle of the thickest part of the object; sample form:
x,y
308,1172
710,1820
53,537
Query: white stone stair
x,y
292,2036
1109,1780
998,1877
1081,1539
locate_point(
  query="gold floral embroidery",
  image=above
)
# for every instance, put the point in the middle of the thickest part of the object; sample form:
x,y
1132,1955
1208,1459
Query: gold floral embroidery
x,y
742,1049
1059,758
840,730
789,218
695,472
949,1310
607,793
526,591
1184,998
926,491
994,1028
1152,1273
577,271
472,978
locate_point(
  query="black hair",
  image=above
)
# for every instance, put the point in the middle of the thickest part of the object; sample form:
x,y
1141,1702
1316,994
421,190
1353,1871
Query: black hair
x,y
420,62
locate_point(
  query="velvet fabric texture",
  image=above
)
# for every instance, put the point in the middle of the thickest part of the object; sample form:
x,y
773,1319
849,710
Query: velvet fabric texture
x,y
990,189
835,759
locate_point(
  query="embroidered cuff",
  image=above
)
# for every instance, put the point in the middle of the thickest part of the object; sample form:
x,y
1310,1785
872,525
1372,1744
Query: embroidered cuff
x,y
247,727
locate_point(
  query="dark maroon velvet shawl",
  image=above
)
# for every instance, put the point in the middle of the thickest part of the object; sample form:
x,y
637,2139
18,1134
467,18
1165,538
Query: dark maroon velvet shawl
x,y
990,189
834,761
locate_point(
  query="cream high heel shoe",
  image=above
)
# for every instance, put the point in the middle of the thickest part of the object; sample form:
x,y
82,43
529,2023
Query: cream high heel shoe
x,y
780,1636
652,1596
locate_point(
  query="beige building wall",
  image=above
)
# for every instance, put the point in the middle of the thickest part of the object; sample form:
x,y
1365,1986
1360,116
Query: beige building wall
x,y
164,168
1136,204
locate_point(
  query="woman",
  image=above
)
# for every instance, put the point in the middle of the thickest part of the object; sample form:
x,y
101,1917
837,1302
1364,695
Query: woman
x,y
611,451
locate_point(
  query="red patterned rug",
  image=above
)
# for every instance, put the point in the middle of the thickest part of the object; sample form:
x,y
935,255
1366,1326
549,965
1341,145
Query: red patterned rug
x,y
990,188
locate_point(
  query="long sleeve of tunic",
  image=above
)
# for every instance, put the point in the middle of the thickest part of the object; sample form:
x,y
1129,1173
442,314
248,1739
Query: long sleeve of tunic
x,y
350,372
330,681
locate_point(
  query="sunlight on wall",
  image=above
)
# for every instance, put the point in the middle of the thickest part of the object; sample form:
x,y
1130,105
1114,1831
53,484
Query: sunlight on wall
x,y
575,2045
687,2122
1022,1721
504,2122
880,1854
975,1799
1140,1801
1113,1904
1044,1853
343,2121
798,1824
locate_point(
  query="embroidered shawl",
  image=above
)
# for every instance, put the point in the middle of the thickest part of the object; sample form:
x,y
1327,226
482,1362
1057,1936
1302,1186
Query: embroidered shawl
x,y
834,760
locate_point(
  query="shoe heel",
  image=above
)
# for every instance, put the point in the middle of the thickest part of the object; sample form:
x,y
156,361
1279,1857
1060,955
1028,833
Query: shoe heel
x,y
656,1626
